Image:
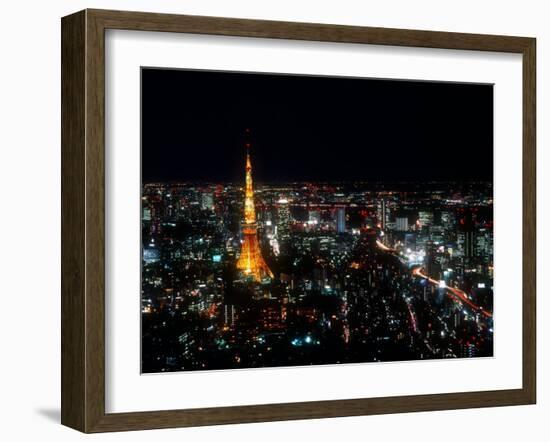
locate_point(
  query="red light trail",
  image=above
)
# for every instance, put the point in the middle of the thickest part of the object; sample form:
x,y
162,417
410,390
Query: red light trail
x,y
453,292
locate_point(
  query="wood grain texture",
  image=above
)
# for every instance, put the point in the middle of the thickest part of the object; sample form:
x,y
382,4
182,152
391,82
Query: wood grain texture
x,y
73,254
95,222
529,222
83,218
145,21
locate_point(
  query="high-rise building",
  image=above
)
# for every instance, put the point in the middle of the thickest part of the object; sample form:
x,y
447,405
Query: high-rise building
x,y
484,245
146,214
432,266
156,219
341,219
283,219
448,220
402,224
229,315
437,234
466,238
207,201
151,254
382,213
466,243
426,219
251,262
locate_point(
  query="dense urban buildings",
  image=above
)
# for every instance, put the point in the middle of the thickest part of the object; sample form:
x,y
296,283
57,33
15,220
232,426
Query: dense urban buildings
x,y
313,267
308,275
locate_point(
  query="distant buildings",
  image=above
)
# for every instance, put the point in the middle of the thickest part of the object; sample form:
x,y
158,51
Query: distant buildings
x,y
207,202
383,213
341,219
402,224
283,219
146,215
341,291
426,219
314,217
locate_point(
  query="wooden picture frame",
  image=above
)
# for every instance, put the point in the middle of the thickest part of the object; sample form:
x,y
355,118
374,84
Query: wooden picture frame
x,y
83,217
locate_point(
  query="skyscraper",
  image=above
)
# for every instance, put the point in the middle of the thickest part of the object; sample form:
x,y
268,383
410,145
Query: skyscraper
x,y
466,243
402,224
207,201
466,237
382,213
341,219
283,219
425,218
251,262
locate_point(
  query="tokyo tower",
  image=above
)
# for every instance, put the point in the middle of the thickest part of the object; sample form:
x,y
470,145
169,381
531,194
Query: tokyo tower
x,y
251,262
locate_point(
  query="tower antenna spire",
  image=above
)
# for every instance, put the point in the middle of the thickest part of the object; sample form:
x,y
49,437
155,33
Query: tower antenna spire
x,y
247,143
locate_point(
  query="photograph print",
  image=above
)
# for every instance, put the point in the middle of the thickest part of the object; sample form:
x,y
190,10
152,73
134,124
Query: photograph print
x,y
297,220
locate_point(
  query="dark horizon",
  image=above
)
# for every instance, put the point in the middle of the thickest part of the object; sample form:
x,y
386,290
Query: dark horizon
x,y
378,182
311,128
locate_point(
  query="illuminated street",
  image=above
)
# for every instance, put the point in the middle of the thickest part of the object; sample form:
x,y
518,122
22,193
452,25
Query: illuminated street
x,y
453,291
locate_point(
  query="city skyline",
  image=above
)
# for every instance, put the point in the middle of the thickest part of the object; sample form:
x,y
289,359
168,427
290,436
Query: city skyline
x,y
322,267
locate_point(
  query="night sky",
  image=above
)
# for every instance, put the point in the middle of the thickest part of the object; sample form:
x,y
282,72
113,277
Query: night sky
x,y
312,128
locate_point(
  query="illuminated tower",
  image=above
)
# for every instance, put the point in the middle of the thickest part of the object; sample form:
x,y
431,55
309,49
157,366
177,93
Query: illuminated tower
x,y
251,261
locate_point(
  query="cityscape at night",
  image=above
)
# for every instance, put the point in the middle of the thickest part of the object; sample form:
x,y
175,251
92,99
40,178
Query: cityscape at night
x,y
294,220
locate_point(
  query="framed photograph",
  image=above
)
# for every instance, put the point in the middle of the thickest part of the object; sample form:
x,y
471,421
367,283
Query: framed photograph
x,y
268,221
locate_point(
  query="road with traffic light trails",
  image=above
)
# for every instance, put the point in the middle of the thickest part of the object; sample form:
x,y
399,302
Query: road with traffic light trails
x,y
453,292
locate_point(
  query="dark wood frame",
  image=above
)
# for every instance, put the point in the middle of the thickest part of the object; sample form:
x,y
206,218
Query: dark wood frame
x,y
83,216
